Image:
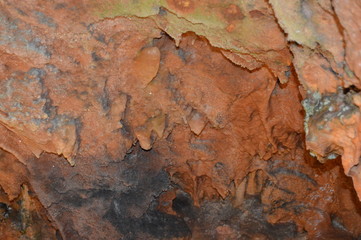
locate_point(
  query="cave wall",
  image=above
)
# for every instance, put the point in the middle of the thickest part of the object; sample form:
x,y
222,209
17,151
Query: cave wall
x,y
179,119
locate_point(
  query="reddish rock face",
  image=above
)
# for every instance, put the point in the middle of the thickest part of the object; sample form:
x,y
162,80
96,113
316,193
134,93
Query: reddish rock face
x,y
111,129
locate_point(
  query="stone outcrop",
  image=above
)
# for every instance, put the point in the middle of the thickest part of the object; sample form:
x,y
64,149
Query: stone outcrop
x,y
180,119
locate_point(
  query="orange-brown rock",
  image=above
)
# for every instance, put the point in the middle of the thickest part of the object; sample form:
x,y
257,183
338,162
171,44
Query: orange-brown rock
x,y
180,119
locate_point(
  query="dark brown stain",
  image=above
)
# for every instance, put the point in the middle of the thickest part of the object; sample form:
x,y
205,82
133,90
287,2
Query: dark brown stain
x,y
232,13
256,14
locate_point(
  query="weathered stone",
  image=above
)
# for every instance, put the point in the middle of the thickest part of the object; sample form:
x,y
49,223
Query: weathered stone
x,y
180,119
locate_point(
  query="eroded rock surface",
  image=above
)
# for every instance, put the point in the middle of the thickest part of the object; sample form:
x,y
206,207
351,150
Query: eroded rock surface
x,y
179,119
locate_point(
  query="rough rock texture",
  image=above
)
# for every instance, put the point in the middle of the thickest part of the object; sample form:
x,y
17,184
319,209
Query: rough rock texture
x,y
179,119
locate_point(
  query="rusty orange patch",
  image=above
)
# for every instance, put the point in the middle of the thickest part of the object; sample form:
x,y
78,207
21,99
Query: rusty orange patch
x,y
183,6
230,28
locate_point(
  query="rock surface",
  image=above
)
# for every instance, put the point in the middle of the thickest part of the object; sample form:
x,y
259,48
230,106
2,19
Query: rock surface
x,y
179,119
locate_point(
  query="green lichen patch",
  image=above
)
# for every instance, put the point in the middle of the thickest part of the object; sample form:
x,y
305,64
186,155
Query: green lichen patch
x,y
229,25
